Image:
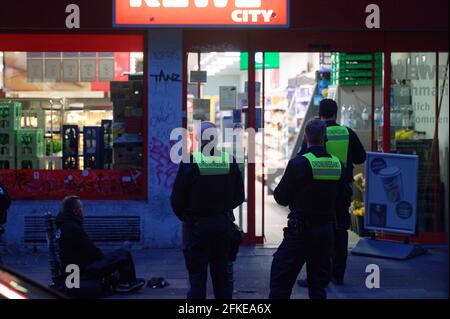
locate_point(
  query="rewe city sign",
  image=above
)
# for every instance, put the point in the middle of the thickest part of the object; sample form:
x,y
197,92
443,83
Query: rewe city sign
x,y
201,13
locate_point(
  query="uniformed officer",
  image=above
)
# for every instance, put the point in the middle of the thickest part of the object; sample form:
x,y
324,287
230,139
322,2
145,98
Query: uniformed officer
x,y
206,191
310,187
343,143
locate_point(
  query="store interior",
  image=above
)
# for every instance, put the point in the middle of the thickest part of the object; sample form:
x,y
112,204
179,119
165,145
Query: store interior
x,y
289,88
71,110
84,110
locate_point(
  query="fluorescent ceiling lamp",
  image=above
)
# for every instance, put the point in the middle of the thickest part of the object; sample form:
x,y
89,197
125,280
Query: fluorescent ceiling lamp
x,y
228,59
222,63
233,54
76,105
208,58
136,55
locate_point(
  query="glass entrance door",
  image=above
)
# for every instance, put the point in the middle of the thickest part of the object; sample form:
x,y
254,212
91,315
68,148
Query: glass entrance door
x,y
293,84
221,89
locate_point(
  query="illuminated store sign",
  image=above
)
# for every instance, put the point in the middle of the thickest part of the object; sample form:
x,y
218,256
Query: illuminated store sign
x,y
201,13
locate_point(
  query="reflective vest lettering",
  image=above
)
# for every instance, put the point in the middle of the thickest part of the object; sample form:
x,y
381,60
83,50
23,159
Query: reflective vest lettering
x,y
212,165
324,168
338,142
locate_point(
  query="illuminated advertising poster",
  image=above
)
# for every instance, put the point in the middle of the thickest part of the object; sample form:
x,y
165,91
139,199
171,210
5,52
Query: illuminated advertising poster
x,y
391,193
201,13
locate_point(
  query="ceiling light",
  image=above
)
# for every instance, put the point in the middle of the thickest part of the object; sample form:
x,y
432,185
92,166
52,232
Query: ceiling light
x,y
76,105
136,55
225,63
233,54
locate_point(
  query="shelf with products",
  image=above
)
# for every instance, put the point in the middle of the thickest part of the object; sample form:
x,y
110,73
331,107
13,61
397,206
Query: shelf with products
x,y
284,115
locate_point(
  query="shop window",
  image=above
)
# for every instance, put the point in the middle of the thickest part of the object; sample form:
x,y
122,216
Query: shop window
x,y
71,111
415,100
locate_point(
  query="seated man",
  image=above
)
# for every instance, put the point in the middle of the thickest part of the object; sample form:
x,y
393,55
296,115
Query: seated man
x,y
76,248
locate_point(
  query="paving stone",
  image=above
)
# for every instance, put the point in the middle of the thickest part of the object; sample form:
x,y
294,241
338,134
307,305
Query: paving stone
x,y
423,277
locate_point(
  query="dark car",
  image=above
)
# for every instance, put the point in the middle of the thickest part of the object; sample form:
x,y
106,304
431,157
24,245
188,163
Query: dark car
x,y
16,286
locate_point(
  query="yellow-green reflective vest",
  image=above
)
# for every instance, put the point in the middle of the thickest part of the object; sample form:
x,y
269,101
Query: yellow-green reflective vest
x,y
212,165
324,168
338,142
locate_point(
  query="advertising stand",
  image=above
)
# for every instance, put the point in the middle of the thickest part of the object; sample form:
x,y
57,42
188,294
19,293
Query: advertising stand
x,y
390,205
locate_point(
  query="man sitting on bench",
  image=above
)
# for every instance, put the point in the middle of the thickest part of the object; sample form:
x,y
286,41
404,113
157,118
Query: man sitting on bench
x,y
76,248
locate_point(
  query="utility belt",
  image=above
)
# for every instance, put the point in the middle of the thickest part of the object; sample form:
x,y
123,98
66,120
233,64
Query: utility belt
x,y
301,224
194,217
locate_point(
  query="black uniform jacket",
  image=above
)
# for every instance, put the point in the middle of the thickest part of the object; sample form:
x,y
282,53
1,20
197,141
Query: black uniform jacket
x,y
308,198
195,196
356,152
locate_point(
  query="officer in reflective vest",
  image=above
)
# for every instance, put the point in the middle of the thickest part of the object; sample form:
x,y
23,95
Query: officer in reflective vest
x,y
207,189
310,187
344,144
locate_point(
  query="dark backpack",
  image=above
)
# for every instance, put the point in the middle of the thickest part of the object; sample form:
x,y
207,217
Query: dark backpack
x,y
5,202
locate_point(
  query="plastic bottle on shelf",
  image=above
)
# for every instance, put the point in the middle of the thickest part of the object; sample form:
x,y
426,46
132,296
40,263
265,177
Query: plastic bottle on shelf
x,y
365,118
351,121
395,116
343,115
378,116
378,122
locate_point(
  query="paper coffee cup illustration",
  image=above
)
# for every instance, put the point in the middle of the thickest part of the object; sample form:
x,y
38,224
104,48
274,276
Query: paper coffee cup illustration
x,y
391,178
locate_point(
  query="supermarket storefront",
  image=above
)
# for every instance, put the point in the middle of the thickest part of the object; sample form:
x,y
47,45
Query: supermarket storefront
x,y
95,104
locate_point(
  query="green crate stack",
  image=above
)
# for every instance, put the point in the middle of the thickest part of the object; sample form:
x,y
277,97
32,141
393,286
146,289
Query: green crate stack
x,y
30,148
27,162
7,143
353,69
10,114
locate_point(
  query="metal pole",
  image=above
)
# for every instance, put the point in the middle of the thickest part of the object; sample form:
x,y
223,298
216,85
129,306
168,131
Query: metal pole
x,y
437,179
251,148
372,126
263,174
387,103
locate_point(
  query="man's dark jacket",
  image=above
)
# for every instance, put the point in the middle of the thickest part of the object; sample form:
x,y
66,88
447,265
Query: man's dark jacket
x,y
75,245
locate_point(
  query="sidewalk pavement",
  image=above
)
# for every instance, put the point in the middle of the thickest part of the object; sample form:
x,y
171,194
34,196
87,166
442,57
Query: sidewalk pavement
x,y
424,277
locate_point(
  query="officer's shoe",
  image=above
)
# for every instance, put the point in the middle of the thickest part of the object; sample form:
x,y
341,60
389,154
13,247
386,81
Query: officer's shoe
x,y
304,283
337,281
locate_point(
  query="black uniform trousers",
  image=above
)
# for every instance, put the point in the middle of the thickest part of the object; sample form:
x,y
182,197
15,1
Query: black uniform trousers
x,y
312,246
208,243
340,250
